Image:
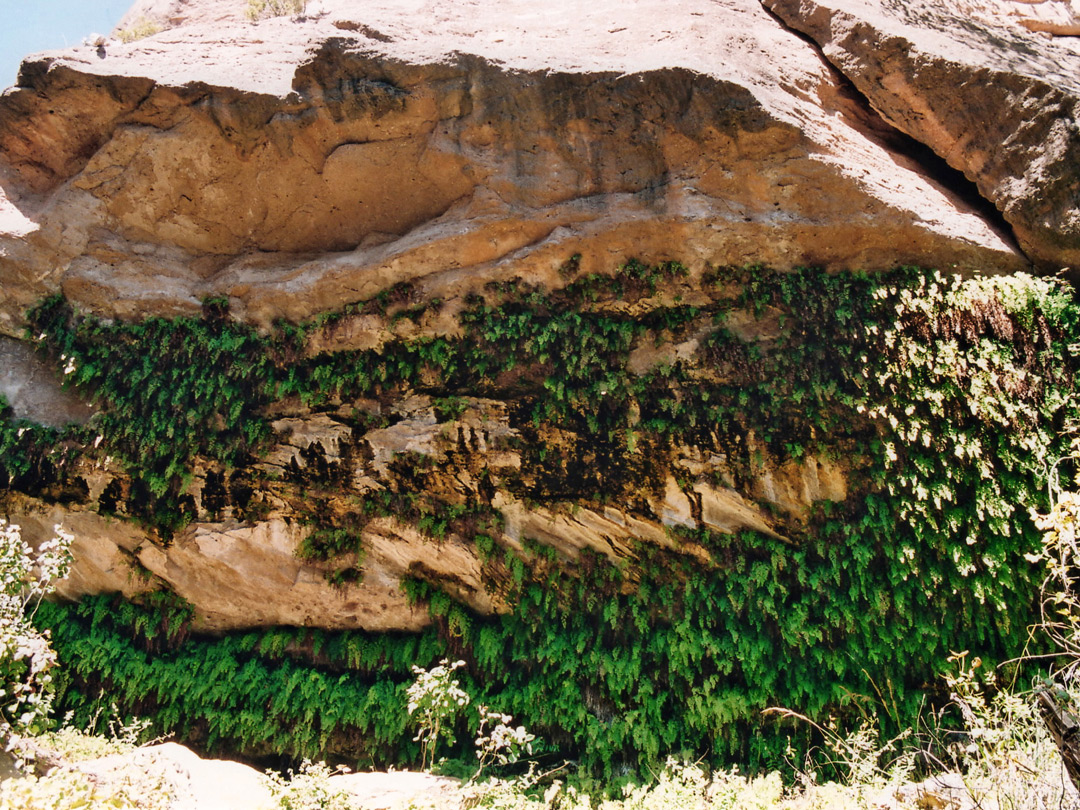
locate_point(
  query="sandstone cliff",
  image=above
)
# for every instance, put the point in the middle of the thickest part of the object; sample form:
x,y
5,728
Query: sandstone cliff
x,y
298,165
394,306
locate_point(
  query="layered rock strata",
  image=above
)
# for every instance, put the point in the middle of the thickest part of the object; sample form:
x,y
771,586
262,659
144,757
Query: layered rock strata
x,y
295,165
239,563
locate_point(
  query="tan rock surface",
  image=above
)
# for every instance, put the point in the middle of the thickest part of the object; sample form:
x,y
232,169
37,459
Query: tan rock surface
x,y
295,165
238,565
993,99
174,13
241,576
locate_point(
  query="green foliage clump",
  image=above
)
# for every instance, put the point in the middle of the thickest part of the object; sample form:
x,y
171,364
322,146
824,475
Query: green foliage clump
x,y
327,543
943,395
170,389
252,691
309,788
258,9
33,456
75,790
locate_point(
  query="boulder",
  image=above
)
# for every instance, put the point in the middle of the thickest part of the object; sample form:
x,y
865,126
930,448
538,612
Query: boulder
x,y
189,781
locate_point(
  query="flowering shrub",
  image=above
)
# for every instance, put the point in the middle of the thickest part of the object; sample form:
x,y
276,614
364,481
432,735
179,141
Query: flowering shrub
x,y
309,789
435,698
26,656
502,743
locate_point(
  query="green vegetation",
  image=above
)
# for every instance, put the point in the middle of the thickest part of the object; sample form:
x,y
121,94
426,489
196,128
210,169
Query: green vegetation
x,y
140,29
309,788
224,692
169,389
944,396
33,456
258,9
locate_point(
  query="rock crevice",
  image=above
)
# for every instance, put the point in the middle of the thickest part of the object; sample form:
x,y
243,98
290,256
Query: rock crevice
x,y
994,100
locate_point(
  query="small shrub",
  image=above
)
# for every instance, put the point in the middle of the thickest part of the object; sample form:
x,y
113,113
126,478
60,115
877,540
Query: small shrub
x,y
259,9
435,699
1004,754
63,790
75,744
861,757
679,786
309,789
140,29
125,785
1061,594
499,742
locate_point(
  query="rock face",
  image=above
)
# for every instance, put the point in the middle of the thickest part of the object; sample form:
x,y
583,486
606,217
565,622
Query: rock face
x,y
32,390
1014,131
294,165
241,573
498,333
490,330
165,14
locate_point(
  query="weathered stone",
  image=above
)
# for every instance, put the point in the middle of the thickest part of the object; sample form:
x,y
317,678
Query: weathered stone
x,y
301,433
104,548
189,781
993,99
238,564
174,13
32,390
295,165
